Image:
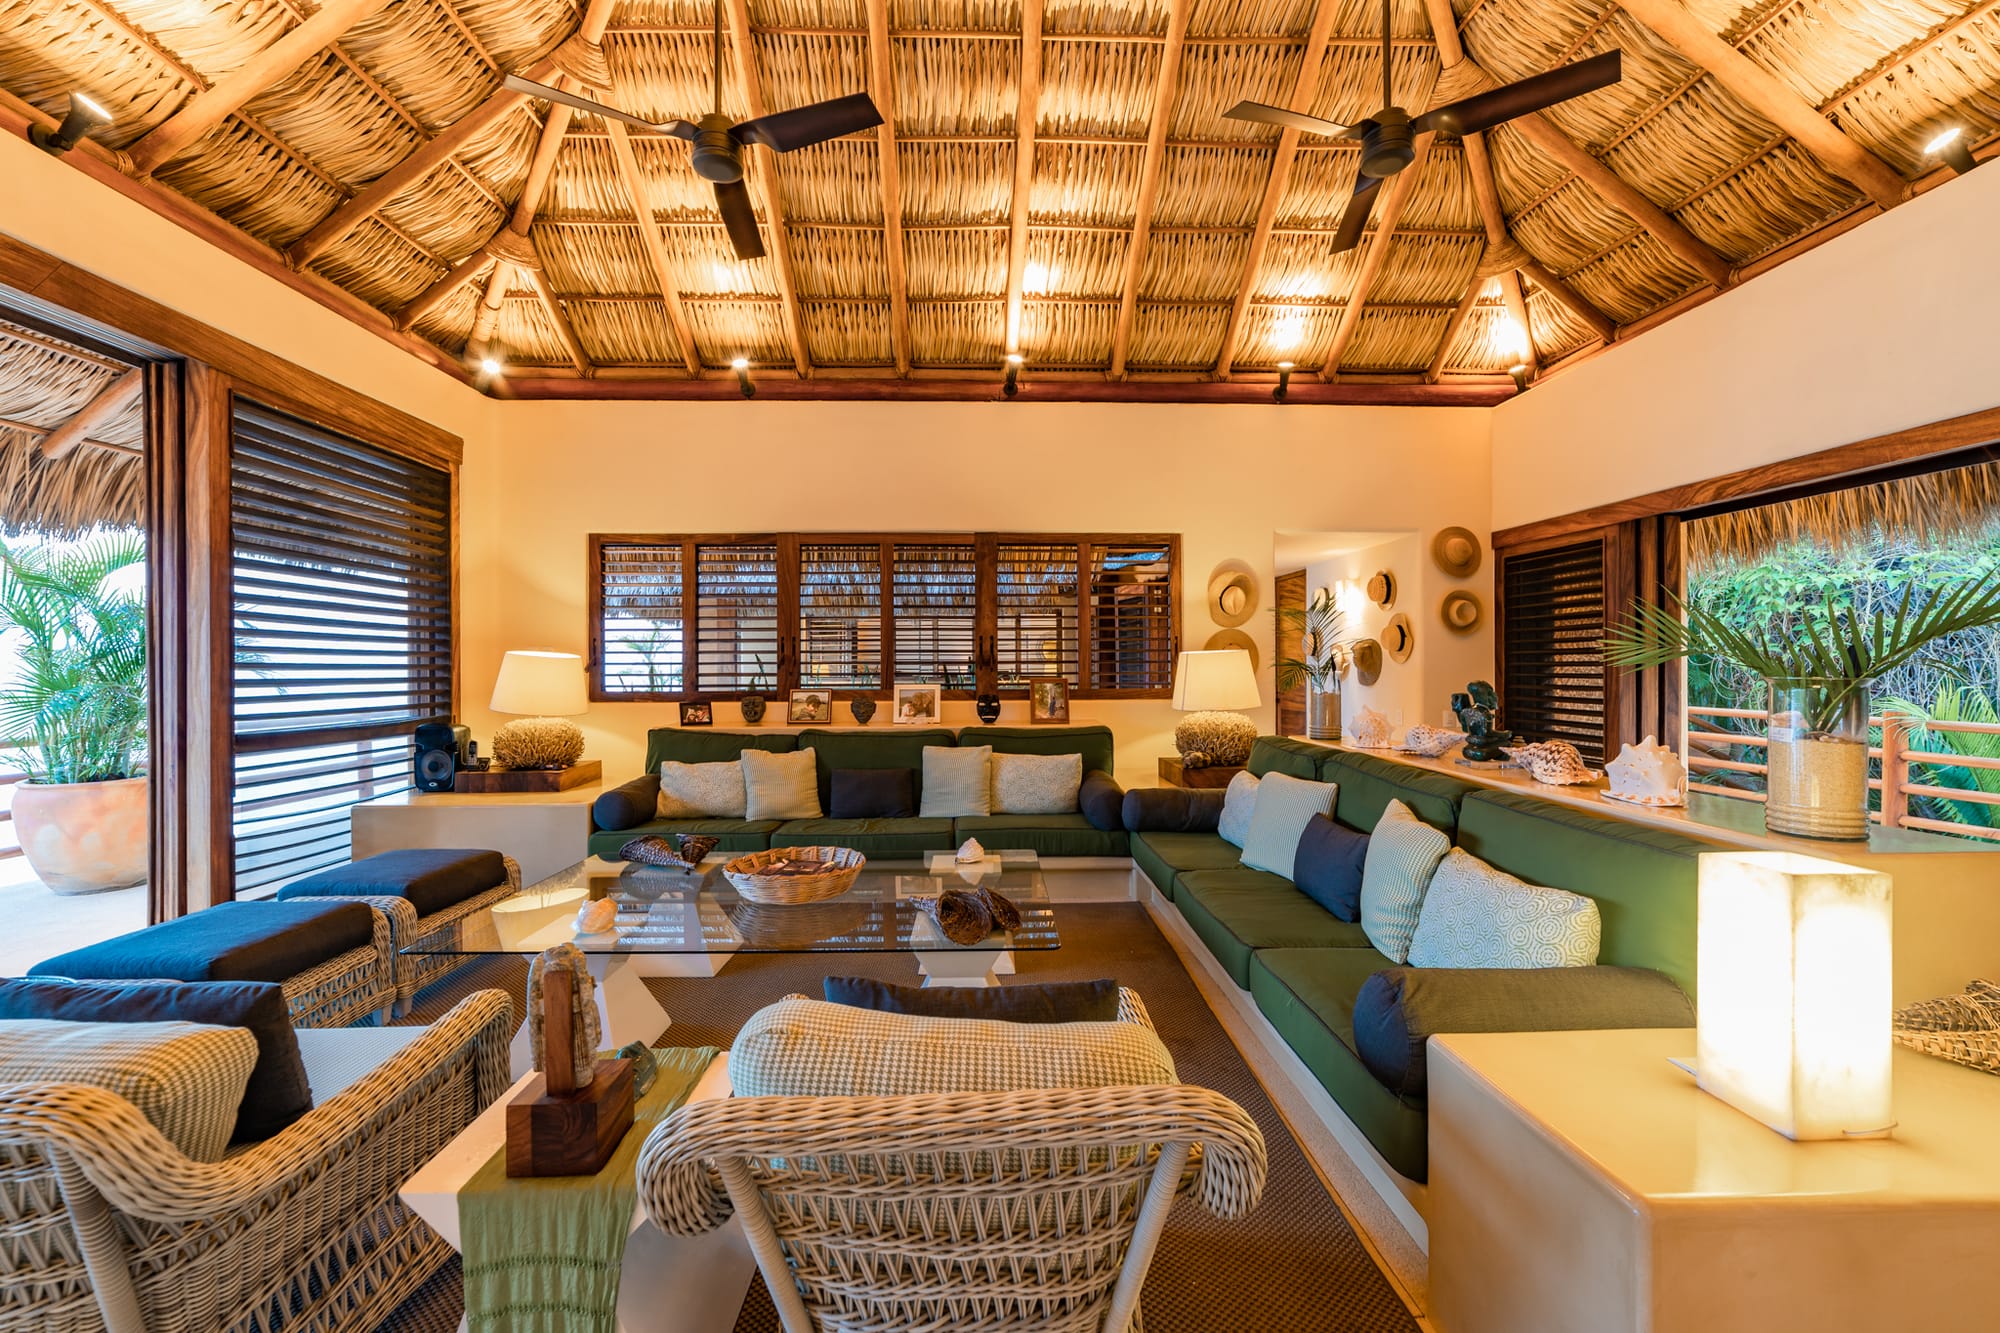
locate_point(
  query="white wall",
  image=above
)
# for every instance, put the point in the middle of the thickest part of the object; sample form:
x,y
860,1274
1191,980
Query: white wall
x,y
1889,326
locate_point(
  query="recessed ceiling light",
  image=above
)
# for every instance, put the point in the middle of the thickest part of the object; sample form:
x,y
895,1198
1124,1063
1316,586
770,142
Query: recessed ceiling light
x,y
84,116
741,365
1949,137
490,365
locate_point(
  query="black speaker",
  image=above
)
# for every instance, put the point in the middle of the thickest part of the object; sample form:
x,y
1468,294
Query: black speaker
x,y
440,749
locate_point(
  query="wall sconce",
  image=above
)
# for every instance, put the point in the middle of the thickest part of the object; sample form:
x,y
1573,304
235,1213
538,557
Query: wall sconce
x,y
1284,382
1950,148
742,368
1012,385
1793,962
84,116
1519,370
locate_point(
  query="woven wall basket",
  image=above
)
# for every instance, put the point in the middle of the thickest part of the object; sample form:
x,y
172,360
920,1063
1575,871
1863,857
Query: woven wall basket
x,y
757,878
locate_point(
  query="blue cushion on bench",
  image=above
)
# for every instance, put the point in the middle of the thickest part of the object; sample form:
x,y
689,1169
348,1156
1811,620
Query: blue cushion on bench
x,y
432,878
249,941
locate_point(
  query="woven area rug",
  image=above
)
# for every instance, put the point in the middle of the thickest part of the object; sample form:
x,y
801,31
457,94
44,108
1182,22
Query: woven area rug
x,y
1294,1264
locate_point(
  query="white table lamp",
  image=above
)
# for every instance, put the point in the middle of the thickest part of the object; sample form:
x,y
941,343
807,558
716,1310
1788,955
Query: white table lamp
x,y
544,688
1795,1004
1211,686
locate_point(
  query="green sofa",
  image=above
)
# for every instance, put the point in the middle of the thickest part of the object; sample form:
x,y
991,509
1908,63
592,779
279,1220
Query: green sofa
x,y
1306,970
1094,829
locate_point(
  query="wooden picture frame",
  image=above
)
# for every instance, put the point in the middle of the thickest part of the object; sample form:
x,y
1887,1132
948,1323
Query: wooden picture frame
x,y
912,705
697,713
1048,701
809,707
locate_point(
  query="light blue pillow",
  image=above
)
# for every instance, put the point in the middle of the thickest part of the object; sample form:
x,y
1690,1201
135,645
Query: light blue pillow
x,y
1476,916
958,781
1403,852
1238,802
1285,805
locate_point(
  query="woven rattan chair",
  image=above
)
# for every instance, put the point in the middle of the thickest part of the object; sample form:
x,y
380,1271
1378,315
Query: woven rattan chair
x,y
413,972
104,1225
352,988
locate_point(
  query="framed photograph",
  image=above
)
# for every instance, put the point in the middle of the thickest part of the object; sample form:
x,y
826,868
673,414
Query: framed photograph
x,y
697,715
918,705
813,706
1048,700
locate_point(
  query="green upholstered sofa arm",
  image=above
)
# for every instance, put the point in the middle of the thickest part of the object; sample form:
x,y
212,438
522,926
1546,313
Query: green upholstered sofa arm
x,y
627,806
1173,810
1399,1009
1101,801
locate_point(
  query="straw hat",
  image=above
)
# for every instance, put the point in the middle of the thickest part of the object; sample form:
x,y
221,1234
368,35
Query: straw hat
x,y
1382,589
1399,638
1461,611
1232,596
1368,661
1456,551
1225,639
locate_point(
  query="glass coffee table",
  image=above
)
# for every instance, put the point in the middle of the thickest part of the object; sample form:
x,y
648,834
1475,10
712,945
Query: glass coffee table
x,y
691,922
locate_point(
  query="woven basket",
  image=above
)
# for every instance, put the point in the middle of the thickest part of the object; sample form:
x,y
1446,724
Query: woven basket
x,y
748,873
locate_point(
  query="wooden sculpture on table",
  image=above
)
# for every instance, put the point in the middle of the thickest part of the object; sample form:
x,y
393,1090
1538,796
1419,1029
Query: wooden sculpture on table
x,y
569,1118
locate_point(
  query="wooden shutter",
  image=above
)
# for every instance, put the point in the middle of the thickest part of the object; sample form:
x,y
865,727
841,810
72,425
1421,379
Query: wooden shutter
x,y
737,640
1134,610
1555,603
840,615
641,627
934,594
1036,611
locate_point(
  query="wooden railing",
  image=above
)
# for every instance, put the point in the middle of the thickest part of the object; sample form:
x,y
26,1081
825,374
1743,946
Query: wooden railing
x,y
1710,737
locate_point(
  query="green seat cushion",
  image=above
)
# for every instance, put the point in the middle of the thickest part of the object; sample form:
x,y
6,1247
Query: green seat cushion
x,y
1164,856
887,747
1368,783
1093,743
1308,994
731,835
875,837
1281,754
1049,835
1237,912
696,745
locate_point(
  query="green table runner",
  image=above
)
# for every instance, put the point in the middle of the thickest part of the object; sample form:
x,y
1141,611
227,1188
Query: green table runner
x,y
542,1255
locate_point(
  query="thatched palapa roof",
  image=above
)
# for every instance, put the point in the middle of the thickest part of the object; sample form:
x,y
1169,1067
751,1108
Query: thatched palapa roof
x,y
71,433
1055,175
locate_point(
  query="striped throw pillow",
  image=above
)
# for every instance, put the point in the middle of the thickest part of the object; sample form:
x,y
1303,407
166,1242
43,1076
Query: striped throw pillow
x,y
1477,916
1285,805
1403,851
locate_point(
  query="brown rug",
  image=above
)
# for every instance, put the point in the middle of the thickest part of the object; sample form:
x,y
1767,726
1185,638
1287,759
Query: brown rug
x,y
1294,1264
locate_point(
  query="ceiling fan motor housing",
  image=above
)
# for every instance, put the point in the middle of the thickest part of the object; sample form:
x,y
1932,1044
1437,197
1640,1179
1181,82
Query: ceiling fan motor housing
x,y
717,157
1387,145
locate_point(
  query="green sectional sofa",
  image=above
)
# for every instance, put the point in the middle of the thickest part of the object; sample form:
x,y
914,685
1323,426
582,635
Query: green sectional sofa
x,y
1306,970
1095,829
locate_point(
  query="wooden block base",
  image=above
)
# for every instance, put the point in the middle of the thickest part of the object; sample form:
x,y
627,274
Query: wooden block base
x,y
1174,774
569,1134
581,773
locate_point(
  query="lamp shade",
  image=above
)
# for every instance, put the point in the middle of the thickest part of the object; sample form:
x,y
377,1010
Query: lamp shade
x,y
1794,968
1215,680
537,684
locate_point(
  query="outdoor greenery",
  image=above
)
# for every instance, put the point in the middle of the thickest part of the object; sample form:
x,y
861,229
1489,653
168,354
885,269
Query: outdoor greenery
x,y
77,699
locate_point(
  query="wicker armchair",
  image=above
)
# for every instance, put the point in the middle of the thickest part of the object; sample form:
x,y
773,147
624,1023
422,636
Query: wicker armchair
x,y
104,1225
413,972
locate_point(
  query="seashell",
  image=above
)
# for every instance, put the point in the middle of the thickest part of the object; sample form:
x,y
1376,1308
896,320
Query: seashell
x,y
970,850
1370,730
1556,763
1648,774
594,918
1430,741
683,851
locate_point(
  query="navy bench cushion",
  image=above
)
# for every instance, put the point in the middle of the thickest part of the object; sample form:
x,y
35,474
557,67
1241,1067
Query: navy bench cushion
x,y
1050,1002
432,878
248,941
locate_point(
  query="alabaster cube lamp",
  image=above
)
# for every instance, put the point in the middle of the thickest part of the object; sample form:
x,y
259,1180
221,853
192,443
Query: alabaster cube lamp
x,y
545,690
1209,686
1794,968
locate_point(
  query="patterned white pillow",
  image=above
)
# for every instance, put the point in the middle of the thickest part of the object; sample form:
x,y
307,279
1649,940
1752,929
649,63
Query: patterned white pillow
x,y
1476,916
1285,805
781,786
701,791
1402,853
1239,802
1036,784
958,781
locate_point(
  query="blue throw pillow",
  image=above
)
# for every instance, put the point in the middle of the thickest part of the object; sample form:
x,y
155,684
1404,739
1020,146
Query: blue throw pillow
x,y
1328,865
1051,1002
872,793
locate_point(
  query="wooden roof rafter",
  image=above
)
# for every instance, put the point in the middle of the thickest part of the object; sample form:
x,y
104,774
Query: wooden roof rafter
x,y
1165,90
743,46
1025,117
882,74
1382,236
111,402
651,242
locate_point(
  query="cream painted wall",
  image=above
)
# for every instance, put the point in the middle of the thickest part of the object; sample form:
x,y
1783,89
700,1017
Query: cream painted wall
x,y
1887,327
1225,478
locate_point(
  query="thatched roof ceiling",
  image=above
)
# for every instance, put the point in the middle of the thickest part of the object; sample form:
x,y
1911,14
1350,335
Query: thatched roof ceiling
x,y
97,477
1074,194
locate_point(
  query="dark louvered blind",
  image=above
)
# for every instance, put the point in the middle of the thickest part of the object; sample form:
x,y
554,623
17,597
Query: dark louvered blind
x,y
934,589
342,613
840,615
736,617
1553,684
1131,616
642,641
1035,601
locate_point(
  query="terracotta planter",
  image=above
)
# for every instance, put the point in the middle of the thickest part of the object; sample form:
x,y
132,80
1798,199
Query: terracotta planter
x,y
84,837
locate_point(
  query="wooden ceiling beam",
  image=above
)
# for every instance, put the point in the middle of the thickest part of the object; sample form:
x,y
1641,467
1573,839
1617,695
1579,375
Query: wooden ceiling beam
x,y
111,401
1517,306
1025,116
204,111
882,74
559,317
1600,323
1404,391
1452,327
653,243
1149,182
1305,87
1763,93
1479,164
1396,194
743,45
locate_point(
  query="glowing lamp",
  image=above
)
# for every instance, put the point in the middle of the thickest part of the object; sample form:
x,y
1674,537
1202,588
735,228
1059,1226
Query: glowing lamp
x,y
1012,383
1795,1006
741,365
1211,685
1950,148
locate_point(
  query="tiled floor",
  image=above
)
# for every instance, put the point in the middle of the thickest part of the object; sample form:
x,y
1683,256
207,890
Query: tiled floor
x,y
36,923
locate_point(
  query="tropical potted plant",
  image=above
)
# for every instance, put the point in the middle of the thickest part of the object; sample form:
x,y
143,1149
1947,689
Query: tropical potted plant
x,y
76,707
1322,657
1817,737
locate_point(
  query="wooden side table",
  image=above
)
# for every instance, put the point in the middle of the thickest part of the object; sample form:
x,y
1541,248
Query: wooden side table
x,y
1172,774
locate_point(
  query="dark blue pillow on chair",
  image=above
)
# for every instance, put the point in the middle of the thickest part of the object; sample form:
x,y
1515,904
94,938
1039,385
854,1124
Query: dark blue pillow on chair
x,y
1050,1002
1327,866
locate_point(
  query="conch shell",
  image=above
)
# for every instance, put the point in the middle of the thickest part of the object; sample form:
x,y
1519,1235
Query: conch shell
x,y
1648,774
1556,763
1430,741
1370,730
970,850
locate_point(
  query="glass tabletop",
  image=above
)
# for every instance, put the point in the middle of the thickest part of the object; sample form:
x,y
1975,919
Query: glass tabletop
x,y
699,912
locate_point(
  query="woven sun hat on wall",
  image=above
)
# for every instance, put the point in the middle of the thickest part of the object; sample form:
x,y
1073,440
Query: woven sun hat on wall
x,y
1224,639
1382,589
1461,611
1368,661
1232,596
1399,637
1456,551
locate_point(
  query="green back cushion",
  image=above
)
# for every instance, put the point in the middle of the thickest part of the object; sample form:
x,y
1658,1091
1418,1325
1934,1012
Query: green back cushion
x,y
1643,879
691,745
897,747
1368,784
1093,743
1278,754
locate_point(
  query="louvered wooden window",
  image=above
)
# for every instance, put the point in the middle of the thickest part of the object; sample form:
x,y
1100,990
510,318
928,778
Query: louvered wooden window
x,y
643,644
1036,611
342,631
934,588
840,615
1132,618
1554,684
736,620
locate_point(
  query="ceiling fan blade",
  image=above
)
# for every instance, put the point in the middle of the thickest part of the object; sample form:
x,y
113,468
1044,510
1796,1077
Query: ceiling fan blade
x,y
1482,111
1265,114
732,198
1348,234
680,129
808,125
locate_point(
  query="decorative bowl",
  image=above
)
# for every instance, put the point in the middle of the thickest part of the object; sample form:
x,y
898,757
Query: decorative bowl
x,y
795,874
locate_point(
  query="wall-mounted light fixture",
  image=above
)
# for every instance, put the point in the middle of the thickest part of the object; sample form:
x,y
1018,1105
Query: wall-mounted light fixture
x,y
1284,382
741,366
1519,370
84,116
1950,148
1013,383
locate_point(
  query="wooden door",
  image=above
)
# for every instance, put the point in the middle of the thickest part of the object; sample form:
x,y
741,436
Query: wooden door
x,y
1290,601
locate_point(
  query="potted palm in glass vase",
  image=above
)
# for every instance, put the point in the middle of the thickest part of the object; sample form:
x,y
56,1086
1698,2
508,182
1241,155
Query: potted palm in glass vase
x,y
1322,656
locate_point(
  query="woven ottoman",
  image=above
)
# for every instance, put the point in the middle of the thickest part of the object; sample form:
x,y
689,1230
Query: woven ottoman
x,y
335,960
423,891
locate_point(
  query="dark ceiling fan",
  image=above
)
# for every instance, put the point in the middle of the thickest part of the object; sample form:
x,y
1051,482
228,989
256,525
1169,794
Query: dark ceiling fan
x,y
718,143
1388,138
